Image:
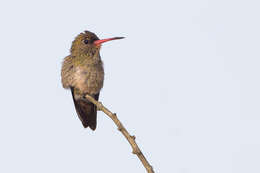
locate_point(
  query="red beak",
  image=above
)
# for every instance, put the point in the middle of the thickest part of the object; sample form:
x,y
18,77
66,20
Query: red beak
x,y
99,42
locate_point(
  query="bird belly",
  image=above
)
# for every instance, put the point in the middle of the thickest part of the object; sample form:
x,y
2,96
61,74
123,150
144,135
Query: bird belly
x,y
89,80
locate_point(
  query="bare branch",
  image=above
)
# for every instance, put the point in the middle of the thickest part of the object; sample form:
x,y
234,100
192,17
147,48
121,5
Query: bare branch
x,y
121,128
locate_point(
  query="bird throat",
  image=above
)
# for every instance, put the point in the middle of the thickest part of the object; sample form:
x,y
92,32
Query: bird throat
x,y
88,58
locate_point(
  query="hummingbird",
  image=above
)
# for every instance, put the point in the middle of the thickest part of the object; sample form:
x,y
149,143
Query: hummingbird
x,y
83,73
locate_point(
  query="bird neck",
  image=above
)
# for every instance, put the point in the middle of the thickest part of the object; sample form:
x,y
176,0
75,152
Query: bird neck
x,y
85,59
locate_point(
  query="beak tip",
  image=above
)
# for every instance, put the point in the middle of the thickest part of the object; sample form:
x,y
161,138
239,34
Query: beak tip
x,y
119,38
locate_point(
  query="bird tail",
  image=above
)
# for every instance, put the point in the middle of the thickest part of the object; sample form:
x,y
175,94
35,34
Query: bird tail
x,y
87,111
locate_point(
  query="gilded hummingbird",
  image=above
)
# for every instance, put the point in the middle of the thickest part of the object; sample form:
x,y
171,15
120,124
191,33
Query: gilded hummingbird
x,y
83,73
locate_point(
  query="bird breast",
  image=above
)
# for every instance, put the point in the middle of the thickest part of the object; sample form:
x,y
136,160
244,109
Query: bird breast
x,y
89,79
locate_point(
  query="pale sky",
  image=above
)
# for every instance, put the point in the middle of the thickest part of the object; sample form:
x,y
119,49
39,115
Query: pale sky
x,y
185,82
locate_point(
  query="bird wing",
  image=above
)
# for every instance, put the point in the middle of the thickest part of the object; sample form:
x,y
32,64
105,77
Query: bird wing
x,y
67,72
87,111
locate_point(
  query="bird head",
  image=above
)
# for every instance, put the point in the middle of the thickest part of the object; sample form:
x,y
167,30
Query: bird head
x,y
87,43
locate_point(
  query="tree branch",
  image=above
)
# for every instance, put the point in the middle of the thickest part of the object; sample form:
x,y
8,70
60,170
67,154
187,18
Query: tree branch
x,y
121,128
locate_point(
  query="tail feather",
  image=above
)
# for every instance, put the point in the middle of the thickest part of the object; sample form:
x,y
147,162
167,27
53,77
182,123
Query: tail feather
x,y
87,111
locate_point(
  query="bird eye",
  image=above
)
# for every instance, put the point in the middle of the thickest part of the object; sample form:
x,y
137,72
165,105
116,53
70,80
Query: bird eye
x,y
86,41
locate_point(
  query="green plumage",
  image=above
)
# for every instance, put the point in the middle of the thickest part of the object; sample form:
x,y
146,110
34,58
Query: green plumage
x,y
82,72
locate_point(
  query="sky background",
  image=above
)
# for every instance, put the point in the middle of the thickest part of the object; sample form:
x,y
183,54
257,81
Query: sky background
x,y
185,82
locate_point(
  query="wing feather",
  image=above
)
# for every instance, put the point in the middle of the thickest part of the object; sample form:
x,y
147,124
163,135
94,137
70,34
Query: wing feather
x,y
67,72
